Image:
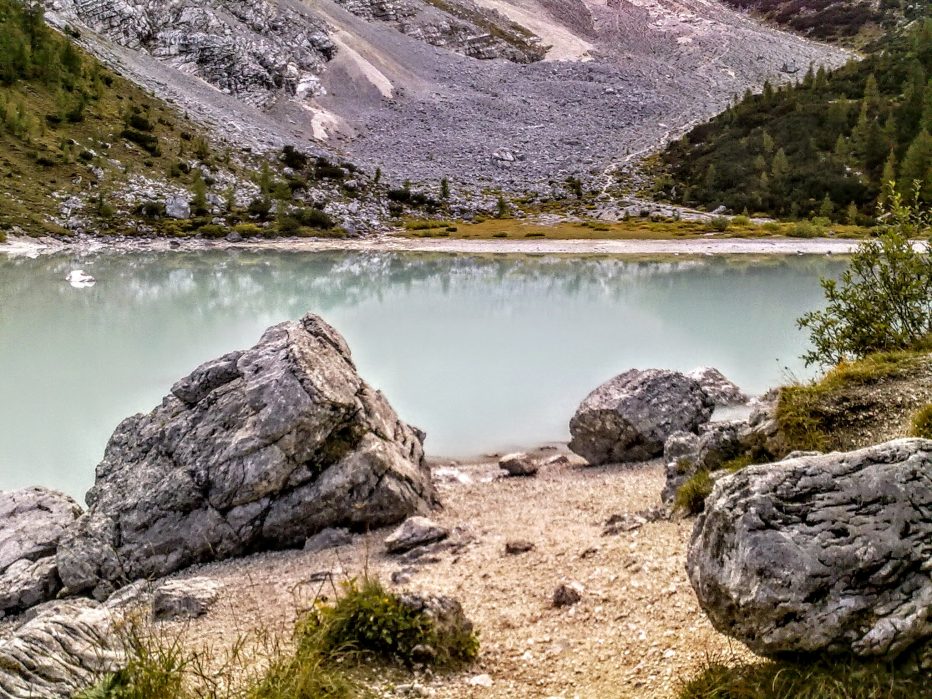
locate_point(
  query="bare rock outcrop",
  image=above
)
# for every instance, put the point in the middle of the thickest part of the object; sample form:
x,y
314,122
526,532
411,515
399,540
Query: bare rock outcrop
x,y
60,649
32,521
256,450
687,453
254,49
821,554
720,388
631,416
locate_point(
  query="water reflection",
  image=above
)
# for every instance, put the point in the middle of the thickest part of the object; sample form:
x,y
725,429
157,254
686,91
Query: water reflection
x,y
484,353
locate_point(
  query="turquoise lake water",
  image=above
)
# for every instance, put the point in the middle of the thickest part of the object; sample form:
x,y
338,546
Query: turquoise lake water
x,y
485,353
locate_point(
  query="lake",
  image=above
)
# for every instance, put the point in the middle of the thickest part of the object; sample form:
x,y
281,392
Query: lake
x,y
485,353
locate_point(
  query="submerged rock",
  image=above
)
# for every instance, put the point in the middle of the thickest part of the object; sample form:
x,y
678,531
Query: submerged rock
x,y
32,521
630,417
62,648
255,450
825,554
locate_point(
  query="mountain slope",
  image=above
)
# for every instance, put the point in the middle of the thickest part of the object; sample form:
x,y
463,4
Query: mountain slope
x,y
824,146
385,96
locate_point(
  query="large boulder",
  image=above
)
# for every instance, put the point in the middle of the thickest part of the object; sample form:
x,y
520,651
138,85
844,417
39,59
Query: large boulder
x,y
821,554
255,450
32,521
57,650
630,417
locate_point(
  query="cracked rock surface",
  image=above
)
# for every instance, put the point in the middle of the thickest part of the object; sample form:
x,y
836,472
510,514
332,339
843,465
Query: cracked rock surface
x,y
32,520
61,648
631,416
829,554
256,450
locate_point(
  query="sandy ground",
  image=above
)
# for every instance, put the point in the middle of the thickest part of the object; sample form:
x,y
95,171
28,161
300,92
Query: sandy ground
x,y
636,631
387,243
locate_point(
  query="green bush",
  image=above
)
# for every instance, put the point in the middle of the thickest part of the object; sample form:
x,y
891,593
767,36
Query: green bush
x,y
921,424
146,141
720,224
248,230
804,229
883,300
369,620
212,230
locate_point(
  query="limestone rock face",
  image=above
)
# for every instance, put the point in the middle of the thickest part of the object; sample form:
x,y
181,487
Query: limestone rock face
x,y
631,416
60,649
32,521
828,554
256,450
254,49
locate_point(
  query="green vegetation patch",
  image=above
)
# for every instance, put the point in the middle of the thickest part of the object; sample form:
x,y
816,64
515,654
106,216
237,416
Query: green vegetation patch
x,y
921,424
823,147
808,679
334,647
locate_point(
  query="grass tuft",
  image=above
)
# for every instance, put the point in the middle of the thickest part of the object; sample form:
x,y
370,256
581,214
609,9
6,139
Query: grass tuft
x,y
690,498
806,679
921,423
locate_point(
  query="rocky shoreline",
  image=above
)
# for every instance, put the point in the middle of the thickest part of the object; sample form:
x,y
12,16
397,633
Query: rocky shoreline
x,y
33,247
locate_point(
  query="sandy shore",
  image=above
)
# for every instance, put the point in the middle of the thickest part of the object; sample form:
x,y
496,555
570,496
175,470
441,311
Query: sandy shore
x,y
32,247
636,632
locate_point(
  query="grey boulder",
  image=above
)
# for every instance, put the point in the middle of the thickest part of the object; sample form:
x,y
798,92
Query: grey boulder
x,y
631,416
518,464
61,648
415,532
186,598
256,450
821,554
720,389
686,453
32,522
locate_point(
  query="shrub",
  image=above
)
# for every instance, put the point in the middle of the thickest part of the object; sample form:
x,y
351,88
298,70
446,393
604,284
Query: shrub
x,y
883,300
741,220
720,223
212,230
369,620
921,424
400,196
247,230
139,122
146,141
294,158
259,208
690,498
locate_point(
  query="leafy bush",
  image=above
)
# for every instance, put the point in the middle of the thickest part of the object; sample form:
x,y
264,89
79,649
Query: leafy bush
x,y
720,223
138,122
741,220
212,230
247,230
294,158
922,423
884,298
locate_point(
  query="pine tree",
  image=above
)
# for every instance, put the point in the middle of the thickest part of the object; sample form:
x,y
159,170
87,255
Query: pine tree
x,y
852,214
888,176
199,188
871,99
827,207
444,189
917,166
780,167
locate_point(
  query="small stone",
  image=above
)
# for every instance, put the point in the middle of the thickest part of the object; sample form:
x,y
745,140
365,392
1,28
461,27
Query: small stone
x,y
518,465
481,681
566,595
518,546
184,599
402,577
415,531
329,538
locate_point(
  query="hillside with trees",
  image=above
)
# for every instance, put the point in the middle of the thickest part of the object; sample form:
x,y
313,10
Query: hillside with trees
x,y
824,146
835,20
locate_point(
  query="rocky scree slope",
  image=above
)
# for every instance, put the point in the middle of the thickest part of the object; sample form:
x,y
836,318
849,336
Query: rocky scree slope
x,y
616,80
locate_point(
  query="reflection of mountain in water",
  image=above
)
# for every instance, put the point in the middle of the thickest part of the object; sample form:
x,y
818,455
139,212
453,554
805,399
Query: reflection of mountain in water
x,y
263,280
